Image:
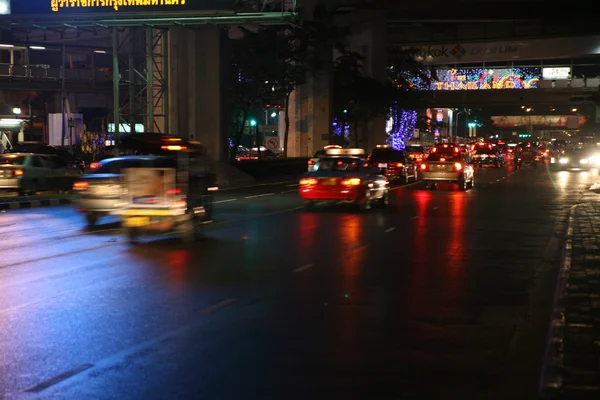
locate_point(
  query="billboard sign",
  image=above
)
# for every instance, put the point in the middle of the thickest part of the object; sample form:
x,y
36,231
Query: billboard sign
x,y
43,7
478,79
556,73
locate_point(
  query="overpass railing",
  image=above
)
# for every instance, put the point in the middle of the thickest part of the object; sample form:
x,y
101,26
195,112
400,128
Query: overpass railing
x,y
46,73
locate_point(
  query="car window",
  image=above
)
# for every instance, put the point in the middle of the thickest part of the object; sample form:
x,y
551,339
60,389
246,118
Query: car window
x,y
55,162
387,155
484,151
445,150
338,164
109,167
36,162
319,154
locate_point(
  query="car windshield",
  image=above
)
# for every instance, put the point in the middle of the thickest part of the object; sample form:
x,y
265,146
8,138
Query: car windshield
x,y
12,160
338,164
484,150
387,155
445,149
436,157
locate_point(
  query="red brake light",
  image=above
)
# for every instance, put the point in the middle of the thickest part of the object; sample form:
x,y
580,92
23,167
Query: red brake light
x,y
173,148
456,150
94,165
434,150
18,172
458,166
311,162
351,182
445,146
308,181
174,191
442,159
399,165
424,167
81,186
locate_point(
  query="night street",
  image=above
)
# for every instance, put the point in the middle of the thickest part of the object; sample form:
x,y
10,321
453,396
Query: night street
x,y
444,294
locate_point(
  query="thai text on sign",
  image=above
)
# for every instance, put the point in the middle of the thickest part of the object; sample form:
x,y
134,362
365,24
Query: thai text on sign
x,y
57,5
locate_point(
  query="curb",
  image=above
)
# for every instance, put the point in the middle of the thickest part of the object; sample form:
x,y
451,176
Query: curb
x,y
551,379
16,205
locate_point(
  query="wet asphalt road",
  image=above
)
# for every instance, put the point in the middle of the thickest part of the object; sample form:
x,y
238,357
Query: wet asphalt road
x,y
443,294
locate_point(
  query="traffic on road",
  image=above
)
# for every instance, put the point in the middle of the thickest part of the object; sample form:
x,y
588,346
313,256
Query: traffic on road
x,y
361,279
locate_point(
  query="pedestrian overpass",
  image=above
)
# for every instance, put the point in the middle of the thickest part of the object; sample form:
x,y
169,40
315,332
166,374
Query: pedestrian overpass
x,y
140,51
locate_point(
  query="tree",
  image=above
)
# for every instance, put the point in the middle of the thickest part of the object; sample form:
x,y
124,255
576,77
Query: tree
x,y
358,99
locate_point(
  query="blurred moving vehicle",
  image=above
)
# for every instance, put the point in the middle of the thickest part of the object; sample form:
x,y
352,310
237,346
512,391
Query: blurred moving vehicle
x,y
577,159
448,164
394,164
487,156
28,173
416,152
101,191
321,153
527,156
344,176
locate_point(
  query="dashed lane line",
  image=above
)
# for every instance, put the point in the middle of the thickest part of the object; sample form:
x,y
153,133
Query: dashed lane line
x,y
390,229
303,268
259,195
218,306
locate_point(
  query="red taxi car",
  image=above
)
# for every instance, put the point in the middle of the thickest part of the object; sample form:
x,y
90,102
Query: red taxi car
x,y
344,176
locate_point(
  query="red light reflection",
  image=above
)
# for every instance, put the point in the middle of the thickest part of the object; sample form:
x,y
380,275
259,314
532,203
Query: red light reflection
x,y
178,262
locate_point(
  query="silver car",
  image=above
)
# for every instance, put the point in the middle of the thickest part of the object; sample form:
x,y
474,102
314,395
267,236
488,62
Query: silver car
x,y
27,173
453,167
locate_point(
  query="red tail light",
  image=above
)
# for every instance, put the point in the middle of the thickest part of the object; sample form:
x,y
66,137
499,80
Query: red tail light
x,y
458,166
399,165
424,167
308,181
81,186
351,182
311,162
18,172
174,192
94,165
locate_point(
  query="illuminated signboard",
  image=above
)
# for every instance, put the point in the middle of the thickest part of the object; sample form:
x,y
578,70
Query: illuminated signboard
x,y
556,73
479,79
25,7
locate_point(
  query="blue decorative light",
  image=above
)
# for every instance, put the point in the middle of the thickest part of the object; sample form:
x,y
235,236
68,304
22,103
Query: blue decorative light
x,y
340,128
403,127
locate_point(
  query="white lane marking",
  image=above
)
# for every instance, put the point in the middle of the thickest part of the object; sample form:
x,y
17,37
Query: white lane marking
x,y
303,268
294,185
390,229
435,207
225,201
415,217
259,195
497,180
290,191
218,306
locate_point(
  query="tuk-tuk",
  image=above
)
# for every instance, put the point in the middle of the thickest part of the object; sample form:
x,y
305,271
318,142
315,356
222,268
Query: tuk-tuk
x,y
169,192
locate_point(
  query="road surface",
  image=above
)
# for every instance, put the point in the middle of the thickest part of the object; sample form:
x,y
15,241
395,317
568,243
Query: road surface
x,y
443,294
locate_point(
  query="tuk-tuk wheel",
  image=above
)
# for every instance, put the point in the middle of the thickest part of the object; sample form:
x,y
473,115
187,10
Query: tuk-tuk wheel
x,y
188,232
132,235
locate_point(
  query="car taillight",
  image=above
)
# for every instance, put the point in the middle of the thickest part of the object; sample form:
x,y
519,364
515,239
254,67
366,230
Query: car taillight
x,y
308,181
18,172
94,165
81,186
424,167
399,165
311,162
173,192
351,182
458,166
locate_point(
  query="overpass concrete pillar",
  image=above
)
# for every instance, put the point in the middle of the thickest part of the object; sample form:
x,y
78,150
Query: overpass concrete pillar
x,y
197,95
196,79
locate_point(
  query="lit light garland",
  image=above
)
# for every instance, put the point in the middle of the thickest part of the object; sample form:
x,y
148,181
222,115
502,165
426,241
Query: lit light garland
x,y
477,79
404,122
339,126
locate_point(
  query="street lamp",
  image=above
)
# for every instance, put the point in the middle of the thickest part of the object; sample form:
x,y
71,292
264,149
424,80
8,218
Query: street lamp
x,y
16,110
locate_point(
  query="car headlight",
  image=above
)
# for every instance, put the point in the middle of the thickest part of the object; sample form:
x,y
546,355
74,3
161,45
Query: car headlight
x,y
563,160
